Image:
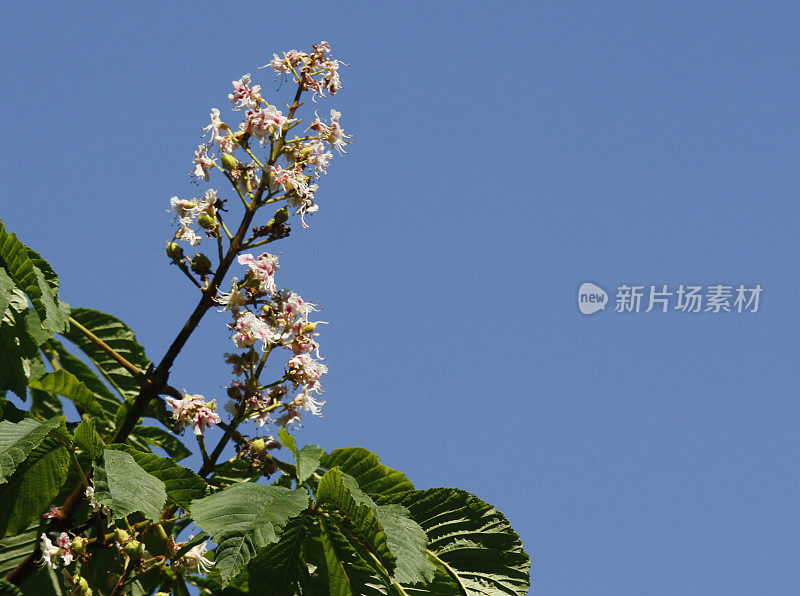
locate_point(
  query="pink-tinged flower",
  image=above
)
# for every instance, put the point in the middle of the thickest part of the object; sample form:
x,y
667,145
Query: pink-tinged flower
x,y
291,416
51,552
332,133
306,401
263,269
53,513
202,163
303,205
294,305
185,232
319,158
306,371
243,95
249,329
194,410
262,122
292,181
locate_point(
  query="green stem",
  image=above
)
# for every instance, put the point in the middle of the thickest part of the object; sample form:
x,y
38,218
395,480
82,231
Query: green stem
x,y
462,588
131,368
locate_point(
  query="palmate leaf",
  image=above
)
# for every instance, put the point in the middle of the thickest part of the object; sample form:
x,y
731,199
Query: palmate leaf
x,y
124,486
38,286
471,540
181,484
65,384
372,476
244,518
45,405
348,573
405,539
35,482
306,459
115,334
335,494
86,438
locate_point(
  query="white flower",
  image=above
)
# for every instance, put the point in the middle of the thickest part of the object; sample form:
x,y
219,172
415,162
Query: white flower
x,y
194,559
306,401
193,409
49,552
263,269
332,133
185,232
216,127
202,162
232,299
89,492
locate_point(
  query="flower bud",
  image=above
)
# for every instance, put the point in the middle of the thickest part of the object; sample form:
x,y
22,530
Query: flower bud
x,y
281,215
81,586
206,221
201,264
174,251
258,445
135,550
78,545
121,536
309,327
229,162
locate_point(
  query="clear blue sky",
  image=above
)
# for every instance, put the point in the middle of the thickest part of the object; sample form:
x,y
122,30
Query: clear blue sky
x,y
504,154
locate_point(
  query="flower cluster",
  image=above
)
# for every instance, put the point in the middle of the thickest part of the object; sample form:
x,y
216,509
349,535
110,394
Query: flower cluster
x,y
194,410
187,211
316,71
96,507
274,318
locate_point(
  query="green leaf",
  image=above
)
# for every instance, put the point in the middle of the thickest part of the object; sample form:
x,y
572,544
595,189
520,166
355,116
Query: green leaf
x,y
405,539
35,483
45,405
125,487
372,476
14,550
158,437
235,470
244,518
53,314
471,539
9,589
118,336
307,459
347,571
65,384
110,403
18,440
86,438
334,492
19,341
279,569
182,485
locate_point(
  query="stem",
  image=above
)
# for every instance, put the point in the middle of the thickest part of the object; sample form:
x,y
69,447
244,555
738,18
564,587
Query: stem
x,y
452,573
131,368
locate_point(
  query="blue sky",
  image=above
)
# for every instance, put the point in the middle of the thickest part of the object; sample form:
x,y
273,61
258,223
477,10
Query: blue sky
x,y
505,153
